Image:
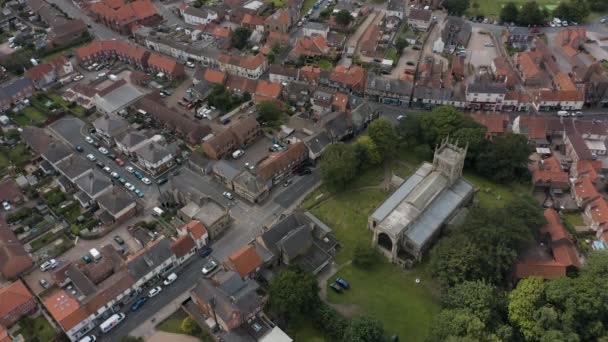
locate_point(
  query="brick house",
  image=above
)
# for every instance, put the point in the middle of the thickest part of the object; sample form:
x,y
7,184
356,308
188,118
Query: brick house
x,y
16,301
279,21
280,164
123,17
45,74
239,134
596,214
197,231
168,66
584,192
15,92
244,261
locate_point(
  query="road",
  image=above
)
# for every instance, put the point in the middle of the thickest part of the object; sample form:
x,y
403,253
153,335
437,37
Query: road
x,y
99,30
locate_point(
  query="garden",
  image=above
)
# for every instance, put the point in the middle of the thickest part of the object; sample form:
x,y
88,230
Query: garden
x,y
180,323
36,329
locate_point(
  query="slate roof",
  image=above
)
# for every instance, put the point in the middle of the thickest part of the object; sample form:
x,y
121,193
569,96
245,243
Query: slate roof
x,y
74,166
389,85
296,241
251,182
132,138
115,200
110,124
93,183
225,170
8,91
153,152
316,143
149,258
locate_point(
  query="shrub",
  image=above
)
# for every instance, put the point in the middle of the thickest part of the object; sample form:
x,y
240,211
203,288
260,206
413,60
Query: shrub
x,y
364,256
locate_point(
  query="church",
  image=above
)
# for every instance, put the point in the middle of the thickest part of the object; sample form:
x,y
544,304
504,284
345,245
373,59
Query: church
x,y
409,221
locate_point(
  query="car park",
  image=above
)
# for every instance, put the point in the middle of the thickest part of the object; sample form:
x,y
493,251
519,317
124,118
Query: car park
x,y
119,240
209,267
205,251
287,182
6,205
88,338
129,186
122,181
336,287
111,156
91,157
139,193
304,171
87,259
48,265
138,303
45,284
170,279
146,180
79,148
77,78
249,166
103,150
162,181
275,148
130,169
119,161
228,195
343,283
153,292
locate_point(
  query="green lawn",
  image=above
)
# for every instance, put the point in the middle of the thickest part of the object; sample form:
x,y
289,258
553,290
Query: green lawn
x,y
277,3
173,323
17,155
21,119
491,8
392,296
307,5
38,328
493,195
325,64
574,219
34,114
403,171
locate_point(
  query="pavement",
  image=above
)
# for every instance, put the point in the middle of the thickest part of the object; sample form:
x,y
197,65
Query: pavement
x,y
161,336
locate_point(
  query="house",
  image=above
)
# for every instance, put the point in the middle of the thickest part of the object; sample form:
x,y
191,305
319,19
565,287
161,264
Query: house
x,y
69,314
410,220
132,140
395,8
224,173
496,124
339,102
483,96
311,28
548,174
155,157
124,17
555,256
279,21
596,214
280,164
310,47
15,92
553,100
419,19
346,80
116,206
14,260
16,302
248,66
155,259
571,40
368,43
267,91
244,261
584,192
519,37
214,216
183,248
169,67
388,91
197,231
250,187
220,145
68,32
229,299
317,144
282,74
298,239
456,32
199,16
533,127
502,72
586,169
45,74
110,127
338,126
91,186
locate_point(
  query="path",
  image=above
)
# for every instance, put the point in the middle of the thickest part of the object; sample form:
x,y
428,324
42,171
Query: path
x,y
161,336
346,310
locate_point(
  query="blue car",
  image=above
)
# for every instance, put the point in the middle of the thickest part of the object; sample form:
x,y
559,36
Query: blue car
x,y
139,193
343,283
138,303
205,252
138,174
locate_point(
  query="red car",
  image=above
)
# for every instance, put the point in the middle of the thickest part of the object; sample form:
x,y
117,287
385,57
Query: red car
x,y
190,105
119,162
408,72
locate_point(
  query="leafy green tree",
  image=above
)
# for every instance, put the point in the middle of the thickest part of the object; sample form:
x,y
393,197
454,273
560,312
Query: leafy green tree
x,y
343,18
367,151
457,7
330,322
523,302
239,37
269,112
505,159
189,326
423,152
401,44
383,134
455,259
473,137
339,165
509,13
364,256
409,130
573,11
293,293
457,325
476,296
364,329
598,5
443,122
531,14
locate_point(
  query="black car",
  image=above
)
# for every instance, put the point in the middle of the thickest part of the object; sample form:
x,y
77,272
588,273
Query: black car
x,y
336,287
100,165
96,144
287,182
304,171
205,252
119,240
162,181
111,156
79,148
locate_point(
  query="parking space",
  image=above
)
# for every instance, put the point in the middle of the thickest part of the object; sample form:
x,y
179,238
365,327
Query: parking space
x,y
481,50
409,60
253,154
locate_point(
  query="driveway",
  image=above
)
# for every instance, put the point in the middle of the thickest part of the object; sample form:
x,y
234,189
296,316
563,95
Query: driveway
x,y
477,53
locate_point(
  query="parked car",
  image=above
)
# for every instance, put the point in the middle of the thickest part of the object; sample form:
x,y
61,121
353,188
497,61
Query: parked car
x,y
130,169
103,150
249,166
107,169
162,181
89,139
287,182
48,265
138,304
122,181
209,267
343,283
6,206
139,193
237,154
130,186
228,195
87,259
336,287
91,157
190,65
153,292
119,161
304,171
170,279
205,251
79,148
44,283
138,175
77,78
100,165
146,180
119,240
111,156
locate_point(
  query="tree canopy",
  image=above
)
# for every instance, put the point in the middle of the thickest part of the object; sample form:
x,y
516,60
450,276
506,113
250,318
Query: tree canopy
x,y
572,11
239,37
382,132
531,14
505,159
457,7
269,112
509,13
293,293
343,18
364,329
339,165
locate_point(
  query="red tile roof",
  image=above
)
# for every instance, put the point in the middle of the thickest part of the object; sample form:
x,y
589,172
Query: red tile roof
x,y
166,64
588,169
536,126
182,246
527,65
559,95
10,191
310,73
242,84
280,16
13,296
584,189
353,77
196,228
64,309
494,123
13,257
563,81
599,211
340,101
311,46
550,173
125,12
282,160
245,260
268,89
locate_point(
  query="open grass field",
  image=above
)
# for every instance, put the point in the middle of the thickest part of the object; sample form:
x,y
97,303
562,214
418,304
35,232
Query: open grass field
x,y
491,8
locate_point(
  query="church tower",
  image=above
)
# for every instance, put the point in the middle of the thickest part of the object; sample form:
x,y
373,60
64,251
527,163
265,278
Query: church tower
x,y
449,159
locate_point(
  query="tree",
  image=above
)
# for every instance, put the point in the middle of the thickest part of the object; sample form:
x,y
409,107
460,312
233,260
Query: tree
x,y
473,137
409,130
339,165
531,14
367,151
189,326
572,11
478,297
330,322
293,293
443,122
270,56
364,329
509,13
239,37
505,159
457,7
383,134
401,44
598,5
523,302
455,259
269,112
457,324
364,256
343,18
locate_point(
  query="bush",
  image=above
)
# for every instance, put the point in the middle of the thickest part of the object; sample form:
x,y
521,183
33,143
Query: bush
x,y
189,326
364,256
19,215
330,322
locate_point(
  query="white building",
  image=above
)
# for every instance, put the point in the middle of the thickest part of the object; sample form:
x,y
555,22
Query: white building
x,y
197,16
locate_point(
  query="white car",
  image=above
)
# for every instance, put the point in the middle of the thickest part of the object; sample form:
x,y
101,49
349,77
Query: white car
x,y
154,291
77,78
130,186
209,267
237,154
146,180
228,195
89,139
170,279
107,169
48,265
103,150
91,157
400,117
115,175
130,169
249,166
6,205
190,65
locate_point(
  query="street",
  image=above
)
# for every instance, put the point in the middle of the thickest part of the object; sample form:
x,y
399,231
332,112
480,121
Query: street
x,y
99,30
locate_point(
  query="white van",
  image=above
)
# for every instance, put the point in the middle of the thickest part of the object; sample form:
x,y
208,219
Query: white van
x,y
95,254
89,338
562,113
170,279
111,322
157,211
